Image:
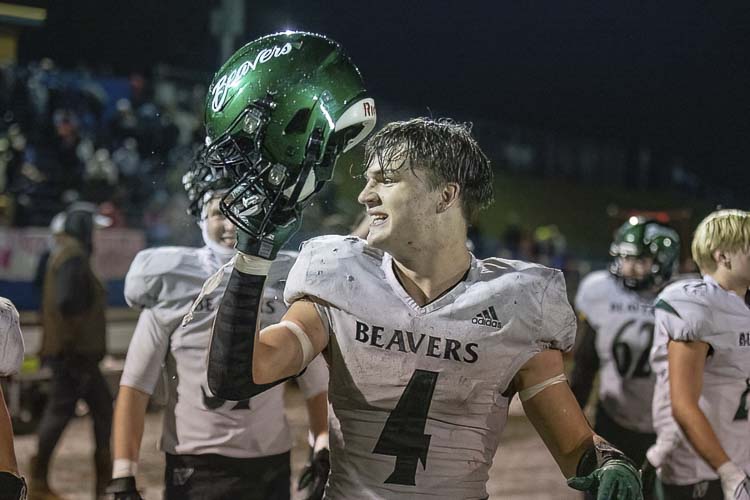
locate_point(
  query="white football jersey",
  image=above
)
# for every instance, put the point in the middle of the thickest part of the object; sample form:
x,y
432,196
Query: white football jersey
x,y
700,310
165,281
419,395
11,340
624,325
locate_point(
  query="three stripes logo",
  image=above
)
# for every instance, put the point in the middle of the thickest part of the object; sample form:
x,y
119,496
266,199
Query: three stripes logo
x,y
487,317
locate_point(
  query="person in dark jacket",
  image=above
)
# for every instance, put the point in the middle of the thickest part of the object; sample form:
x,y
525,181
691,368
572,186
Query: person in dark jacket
x,y
74,326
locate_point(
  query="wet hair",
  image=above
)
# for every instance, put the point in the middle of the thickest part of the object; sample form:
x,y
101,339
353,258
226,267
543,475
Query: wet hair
x,y
444,150
727,230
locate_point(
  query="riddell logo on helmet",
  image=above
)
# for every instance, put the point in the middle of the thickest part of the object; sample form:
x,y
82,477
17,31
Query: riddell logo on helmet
x,y
368,108
221,88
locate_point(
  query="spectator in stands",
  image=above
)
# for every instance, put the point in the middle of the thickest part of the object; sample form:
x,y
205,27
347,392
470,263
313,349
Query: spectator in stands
x,y
73,322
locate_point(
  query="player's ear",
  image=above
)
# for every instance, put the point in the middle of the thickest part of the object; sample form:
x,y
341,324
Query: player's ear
x,y
722,259
449,196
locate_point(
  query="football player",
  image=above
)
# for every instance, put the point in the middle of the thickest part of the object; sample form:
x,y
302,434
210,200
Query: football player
x,y
701,358
426,344
214,449
616,328
12,485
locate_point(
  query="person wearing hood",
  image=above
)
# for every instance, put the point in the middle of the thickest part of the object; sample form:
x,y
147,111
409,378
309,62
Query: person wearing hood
x,y
73,343
214,449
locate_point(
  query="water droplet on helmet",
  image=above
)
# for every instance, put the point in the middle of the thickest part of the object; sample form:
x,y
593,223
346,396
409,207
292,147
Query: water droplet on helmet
x,y
349,277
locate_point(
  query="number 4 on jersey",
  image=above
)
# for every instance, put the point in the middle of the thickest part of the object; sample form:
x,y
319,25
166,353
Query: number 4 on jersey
x,y
403,435
742,411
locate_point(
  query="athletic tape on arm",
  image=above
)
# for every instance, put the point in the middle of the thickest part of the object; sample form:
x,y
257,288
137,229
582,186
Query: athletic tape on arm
x,y
535,389
304,342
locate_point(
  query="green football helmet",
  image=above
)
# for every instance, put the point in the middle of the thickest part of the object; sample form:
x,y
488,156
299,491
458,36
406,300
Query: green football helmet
x,y
643,237
278,114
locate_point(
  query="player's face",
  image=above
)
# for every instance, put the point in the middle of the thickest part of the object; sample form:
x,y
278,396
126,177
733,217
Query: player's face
x,y
400,206
218,227
635,267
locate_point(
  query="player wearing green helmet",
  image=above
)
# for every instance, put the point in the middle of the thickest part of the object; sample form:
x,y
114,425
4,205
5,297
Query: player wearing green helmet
x,y
645,253
616,331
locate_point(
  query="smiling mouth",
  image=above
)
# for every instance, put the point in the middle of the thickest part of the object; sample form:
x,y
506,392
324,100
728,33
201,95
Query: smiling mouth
x,y
378,219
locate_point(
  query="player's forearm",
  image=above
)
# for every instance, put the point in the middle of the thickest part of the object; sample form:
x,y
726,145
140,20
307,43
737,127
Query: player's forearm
x,y
128,421
558,419
699,432
234,350
317,412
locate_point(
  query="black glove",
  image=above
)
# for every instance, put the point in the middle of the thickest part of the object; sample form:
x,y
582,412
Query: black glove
x,y
275,237
123,488
12,487
315,475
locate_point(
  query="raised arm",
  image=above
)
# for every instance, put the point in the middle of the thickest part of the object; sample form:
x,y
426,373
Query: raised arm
x,y
587,460
242,361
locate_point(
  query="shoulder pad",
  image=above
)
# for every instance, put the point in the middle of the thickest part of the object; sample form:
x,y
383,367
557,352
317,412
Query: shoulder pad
x,y
323,260
541,291
154,270
11,340
523,274
688,293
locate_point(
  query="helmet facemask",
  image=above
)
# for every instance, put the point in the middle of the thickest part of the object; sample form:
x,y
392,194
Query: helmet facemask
x,y
271,193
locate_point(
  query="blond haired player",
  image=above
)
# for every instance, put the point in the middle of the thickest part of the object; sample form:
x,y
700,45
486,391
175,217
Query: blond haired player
x,y
701,357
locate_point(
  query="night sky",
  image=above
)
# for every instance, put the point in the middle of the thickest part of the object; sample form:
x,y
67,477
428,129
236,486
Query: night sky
x,y
675,74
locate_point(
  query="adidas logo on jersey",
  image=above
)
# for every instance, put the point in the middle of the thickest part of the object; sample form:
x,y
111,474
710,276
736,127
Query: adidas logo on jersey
x,y
487,317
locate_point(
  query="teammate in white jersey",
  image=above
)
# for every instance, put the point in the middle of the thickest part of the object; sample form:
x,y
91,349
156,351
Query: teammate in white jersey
x,y
12,485
426,344
616,328
214,449
701,357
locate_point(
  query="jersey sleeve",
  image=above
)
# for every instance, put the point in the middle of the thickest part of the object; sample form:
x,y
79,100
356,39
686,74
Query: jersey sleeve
x,y
682,315
11,340
558,322
315,379
320,268
146,353
143,284
551,322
